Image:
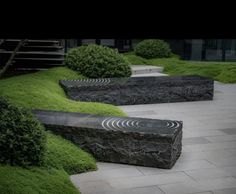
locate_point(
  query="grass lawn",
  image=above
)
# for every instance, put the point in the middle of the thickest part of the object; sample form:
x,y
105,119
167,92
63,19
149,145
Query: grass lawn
x,y
41,91
62,158
17,180
221,71
62,154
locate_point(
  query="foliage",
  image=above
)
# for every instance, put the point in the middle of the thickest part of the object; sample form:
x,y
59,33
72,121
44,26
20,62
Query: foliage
x,y
96,61
22,137
62,154
152,48
41,90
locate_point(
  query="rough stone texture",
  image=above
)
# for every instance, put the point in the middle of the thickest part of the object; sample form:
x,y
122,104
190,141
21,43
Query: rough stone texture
x,y
138,141
140,90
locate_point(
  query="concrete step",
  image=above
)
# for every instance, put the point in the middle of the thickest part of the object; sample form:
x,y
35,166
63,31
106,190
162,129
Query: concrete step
x,y
149,74
40,59
34,41
33,52
142,69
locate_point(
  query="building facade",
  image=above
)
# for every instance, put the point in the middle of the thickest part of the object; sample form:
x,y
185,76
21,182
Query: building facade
x,y
206,49
123,45
187,49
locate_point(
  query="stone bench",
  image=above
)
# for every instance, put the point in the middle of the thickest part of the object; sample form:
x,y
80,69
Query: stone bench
x,y
140,90
129,140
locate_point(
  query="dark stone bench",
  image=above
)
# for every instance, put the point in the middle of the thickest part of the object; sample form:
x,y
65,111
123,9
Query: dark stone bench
x,y
130,140
140,90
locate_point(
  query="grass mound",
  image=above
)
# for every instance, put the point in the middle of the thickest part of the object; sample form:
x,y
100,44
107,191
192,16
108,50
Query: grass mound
x,y
62,154
220,71
41,90
17,180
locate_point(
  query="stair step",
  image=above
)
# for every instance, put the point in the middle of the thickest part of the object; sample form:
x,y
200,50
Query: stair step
x,y
30,69
40,59
149,74
31,40
142,69
35,65
34,52
58,47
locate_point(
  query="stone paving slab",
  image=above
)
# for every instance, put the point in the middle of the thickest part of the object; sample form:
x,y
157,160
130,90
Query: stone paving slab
x,y
207,163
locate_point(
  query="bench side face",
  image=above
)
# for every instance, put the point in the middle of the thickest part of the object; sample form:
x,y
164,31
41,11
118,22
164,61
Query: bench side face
x,y
143,90
126,148
159,146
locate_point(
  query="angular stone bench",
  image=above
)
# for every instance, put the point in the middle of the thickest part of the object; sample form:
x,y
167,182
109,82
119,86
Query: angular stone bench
x,y
130,140
140,90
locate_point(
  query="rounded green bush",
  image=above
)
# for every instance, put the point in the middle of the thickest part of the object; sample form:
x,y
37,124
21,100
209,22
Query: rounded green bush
x,y
96,61
22,137
152,48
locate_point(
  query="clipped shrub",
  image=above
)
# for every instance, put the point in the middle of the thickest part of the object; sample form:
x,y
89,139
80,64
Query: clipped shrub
x,y
22,137
153,48
96,61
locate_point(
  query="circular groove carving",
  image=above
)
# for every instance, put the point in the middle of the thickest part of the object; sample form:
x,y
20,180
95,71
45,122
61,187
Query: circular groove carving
x,y
113,123
91,82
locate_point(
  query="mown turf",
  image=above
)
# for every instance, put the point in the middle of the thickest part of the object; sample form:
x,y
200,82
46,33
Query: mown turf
x,y
17,180
221,71
62,154
41,91
62,157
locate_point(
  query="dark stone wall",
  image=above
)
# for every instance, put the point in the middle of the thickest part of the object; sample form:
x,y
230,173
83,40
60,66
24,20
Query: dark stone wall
x,y
140,90
137,141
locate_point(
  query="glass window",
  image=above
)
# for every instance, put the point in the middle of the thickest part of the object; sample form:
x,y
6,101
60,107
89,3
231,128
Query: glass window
x,y
108,42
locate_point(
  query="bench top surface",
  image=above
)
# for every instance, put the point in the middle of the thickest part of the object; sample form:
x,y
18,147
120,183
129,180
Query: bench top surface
x,y
126,124
132,81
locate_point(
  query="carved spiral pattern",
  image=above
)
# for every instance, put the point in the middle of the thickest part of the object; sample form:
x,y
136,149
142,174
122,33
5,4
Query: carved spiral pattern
x,y
92,82
112,123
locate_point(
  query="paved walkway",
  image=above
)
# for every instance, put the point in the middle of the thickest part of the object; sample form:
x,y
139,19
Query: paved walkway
x,y
207,164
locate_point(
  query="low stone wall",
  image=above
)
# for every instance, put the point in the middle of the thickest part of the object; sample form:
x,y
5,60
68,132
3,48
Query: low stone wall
x,y
140,90
129,140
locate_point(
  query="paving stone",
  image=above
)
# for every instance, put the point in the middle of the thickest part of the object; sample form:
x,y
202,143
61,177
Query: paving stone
x,y
109,166
230,169
199,186
209,166
195,140
222,138
91,187
229,131
149,180
202,174
109,174
226,191
138,113
192,165
140,190
226,161
211,146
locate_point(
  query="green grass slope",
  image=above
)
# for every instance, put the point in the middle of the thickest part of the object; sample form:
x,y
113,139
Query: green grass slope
x,y
221,71
62,154
41,90
17,180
